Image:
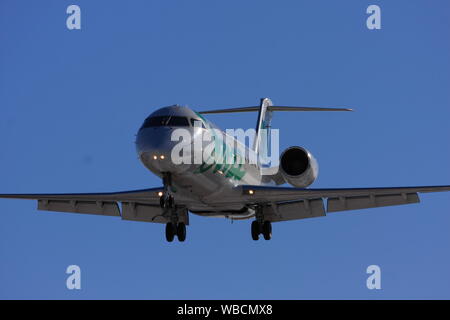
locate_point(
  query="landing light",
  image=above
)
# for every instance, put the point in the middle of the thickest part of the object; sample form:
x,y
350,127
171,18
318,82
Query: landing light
x,y
160,194
155,157
251,192
162,157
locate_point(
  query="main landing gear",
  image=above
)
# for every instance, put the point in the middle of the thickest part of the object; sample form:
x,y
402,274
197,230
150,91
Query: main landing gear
x,y
178,229
261,226
264,228
166,201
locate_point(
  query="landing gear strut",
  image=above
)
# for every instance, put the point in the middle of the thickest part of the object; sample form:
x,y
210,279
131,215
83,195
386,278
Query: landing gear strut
x,y
166,201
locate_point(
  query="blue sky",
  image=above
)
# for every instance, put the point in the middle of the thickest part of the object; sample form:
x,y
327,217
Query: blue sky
x,y
72,101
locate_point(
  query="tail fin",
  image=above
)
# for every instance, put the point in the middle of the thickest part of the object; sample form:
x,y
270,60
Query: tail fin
x,y
262,143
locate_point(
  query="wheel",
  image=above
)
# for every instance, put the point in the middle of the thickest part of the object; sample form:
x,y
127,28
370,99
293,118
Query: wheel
x,y
181,232
170,232
255,230
267,230
161,202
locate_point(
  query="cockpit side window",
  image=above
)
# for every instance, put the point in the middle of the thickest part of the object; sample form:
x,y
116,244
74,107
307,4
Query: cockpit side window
x,y
156,121
193,122
166,121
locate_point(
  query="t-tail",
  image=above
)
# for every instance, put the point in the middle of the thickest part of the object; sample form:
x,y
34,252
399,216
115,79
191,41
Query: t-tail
x,y
262,142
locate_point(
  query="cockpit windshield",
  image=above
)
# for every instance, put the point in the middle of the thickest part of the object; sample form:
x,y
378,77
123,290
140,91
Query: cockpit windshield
x,y
166,121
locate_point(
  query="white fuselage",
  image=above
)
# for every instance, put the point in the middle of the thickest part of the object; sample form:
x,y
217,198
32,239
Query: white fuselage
x,y
206,184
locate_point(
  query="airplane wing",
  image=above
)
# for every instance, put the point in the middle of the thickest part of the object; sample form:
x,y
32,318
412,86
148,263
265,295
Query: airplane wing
x,y
278,203
137,205
282,203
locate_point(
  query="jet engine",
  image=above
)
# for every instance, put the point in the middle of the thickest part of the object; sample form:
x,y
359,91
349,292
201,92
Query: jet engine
x,y
298,167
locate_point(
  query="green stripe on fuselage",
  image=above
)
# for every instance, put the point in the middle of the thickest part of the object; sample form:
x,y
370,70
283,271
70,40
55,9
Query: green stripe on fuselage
x,y
234,170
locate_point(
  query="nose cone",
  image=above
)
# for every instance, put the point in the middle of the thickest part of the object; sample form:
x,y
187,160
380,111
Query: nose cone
x,y
154,147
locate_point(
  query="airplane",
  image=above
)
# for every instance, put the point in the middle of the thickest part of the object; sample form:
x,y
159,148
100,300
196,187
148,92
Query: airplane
x,y
242,190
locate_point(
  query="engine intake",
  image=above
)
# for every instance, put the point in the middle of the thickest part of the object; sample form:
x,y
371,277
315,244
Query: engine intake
x,y
298,167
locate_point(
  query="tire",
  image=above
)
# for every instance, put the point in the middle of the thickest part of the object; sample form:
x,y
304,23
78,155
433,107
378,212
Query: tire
x,y
181,232
170,232
267,230
255,230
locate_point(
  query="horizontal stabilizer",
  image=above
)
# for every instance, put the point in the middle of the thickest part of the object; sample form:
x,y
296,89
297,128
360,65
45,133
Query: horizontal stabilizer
x,y
273,108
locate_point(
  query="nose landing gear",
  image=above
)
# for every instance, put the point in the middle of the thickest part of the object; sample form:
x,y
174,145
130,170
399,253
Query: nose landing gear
x,y
171,211
166,201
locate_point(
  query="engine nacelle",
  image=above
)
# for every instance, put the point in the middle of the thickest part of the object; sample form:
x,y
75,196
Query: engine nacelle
x,y
298,167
